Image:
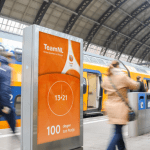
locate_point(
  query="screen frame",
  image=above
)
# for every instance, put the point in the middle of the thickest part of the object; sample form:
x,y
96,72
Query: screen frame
x,y
68,143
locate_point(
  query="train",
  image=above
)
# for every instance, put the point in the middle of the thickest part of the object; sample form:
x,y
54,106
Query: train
x,y
94,70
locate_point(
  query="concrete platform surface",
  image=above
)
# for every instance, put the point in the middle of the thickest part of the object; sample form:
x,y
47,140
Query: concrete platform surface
x,y
97,133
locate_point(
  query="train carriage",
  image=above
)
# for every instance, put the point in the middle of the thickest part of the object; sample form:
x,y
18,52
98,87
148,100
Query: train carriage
x,y
94,70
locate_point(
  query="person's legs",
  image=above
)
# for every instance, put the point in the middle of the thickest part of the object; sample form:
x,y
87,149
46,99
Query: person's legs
x,y
121,144
117,138
11,118
112,143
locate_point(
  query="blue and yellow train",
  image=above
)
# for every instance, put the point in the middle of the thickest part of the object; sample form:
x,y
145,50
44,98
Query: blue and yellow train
x,y
15,96
94,69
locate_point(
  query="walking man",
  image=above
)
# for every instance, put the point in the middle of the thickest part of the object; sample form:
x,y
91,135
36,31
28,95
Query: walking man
x,y
6,108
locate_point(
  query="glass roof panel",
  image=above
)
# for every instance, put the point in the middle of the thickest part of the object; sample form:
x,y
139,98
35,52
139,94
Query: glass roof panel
x,y
17,25
9,22
1,20
12,26
5,21
3,27
13,23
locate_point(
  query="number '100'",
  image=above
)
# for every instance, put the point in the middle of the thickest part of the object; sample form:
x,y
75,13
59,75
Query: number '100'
x,y
52,130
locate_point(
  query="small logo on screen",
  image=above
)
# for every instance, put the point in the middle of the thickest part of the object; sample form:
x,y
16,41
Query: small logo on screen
x,y
71,58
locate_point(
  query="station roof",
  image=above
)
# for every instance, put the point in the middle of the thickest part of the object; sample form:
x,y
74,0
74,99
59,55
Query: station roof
x,y
115,28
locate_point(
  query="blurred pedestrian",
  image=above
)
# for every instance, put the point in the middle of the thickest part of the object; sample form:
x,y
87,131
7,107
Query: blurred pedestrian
x,y
6,108
116,109
141,89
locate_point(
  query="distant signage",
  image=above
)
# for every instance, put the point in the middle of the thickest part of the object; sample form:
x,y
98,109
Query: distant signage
x,y
58,88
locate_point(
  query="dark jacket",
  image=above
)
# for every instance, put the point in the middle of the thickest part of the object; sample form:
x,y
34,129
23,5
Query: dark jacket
x,y
5,91
141,89
5,80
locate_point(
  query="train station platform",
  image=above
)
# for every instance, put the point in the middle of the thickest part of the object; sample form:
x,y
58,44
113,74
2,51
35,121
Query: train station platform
x,y
97,133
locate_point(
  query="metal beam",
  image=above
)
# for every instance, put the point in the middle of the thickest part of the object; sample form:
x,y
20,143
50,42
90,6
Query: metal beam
x,y
132,35
144,54
102,19
121,10
65,8
2,4
148,1
74,17
71,11
138,46
126,36
45,5
121,34
128,19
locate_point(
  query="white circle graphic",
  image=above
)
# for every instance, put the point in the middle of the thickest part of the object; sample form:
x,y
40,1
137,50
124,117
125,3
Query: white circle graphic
x,y
48,98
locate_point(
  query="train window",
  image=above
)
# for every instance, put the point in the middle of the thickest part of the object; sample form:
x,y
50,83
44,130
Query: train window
x,y
18,57
2,49
108,62
93,60
18,105
18,54
100,61
143,70
84,85
140,70
86,59
148,84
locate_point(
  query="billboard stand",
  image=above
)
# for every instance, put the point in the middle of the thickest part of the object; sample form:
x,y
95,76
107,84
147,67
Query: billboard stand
x,y
52,90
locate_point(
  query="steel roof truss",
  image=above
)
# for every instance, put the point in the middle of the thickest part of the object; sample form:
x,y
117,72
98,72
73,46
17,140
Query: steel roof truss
x,y
103,18
45,5
136,48
132,35
74,17
136,12
144,54
2,4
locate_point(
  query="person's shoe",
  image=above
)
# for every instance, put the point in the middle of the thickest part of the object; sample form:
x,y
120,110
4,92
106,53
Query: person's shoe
x,y
6,110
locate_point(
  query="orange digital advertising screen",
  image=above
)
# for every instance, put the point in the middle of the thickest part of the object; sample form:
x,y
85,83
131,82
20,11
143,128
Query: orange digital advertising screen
x,y
58,88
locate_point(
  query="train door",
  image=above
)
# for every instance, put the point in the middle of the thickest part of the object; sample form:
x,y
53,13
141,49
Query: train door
x,y
94,94
93,91
92,99
148,85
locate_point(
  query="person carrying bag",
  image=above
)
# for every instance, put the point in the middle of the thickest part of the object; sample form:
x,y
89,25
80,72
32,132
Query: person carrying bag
x,y
118,110
131,114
